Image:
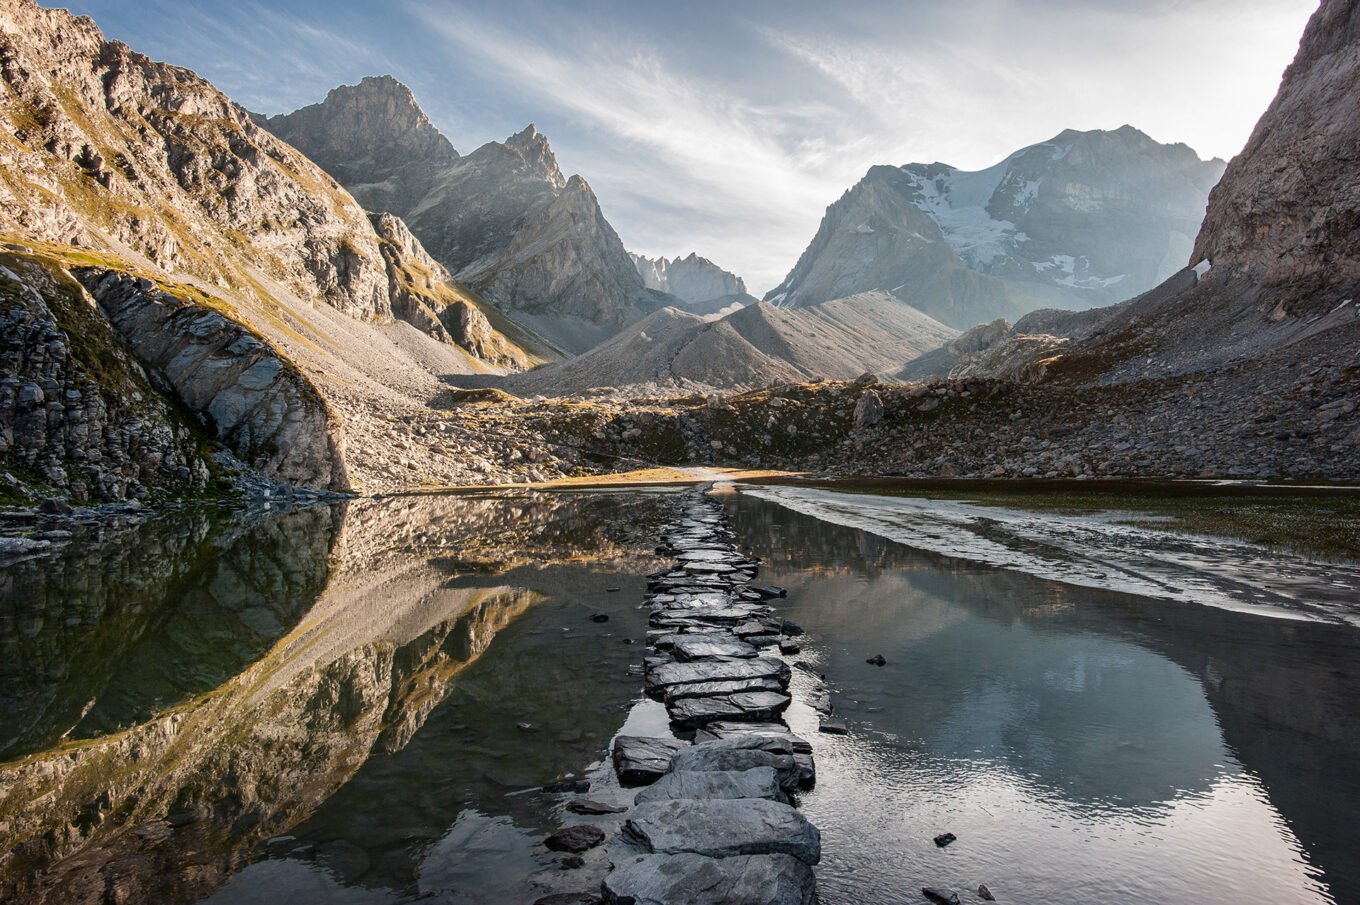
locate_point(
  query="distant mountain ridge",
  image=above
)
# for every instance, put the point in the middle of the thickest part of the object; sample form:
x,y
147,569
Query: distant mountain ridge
x,y
759,344
689,279
1081,220
503,219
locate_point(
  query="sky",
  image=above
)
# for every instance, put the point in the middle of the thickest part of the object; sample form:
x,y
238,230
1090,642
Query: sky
x,y
727,127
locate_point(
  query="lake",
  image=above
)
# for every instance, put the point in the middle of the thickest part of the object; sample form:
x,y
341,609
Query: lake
x,y
355,703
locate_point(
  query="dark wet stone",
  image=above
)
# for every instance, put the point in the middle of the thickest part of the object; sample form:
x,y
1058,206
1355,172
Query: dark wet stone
x,y
568,786
576,839
699,647
600,617
746,705
833,727
776,730
770,592
944,839
569,898
54,506
807,667
940,896
757,782
876,660
789,647
820,701
790,628
985,893
699,880
719,828
709,757
639,759
727,686
763,641
748,630
593,807
612,590
571,862
668,674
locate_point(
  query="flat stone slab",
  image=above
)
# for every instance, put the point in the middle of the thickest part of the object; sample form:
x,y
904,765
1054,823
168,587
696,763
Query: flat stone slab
x,y
727,686
744,705
736,759
720,828
699,646
757,782
718,670
698,880
642,759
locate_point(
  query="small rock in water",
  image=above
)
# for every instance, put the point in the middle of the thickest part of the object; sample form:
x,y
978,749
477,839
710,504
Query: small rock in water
x,y
941,896
833,727
575,839
612,590
567,785
629,641
789,647
600,617
985,893
770,592
593,807
525,727
791,628
944,839
876,660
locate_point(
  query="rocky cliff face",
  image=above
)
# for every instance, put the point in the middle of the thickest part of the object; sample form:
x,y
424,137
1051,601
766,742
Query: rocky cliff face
x,y
372,137
1278,258
253,400
1084,219
77,412
503,219
1286,216
115,161
689,279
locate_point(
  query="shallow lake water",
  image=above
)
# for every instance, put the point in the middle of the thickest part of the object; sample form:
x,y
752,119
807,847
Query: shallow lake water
x,y
352,704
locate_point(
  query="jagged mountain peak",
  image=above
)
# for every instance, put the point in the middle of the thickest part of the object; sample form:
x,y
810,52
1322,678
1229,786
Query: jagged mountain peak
x,y
692,279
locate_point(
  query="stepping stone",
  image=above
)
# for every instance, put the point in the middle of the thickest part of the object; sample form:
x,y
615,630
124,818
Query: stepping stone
x,y
727,686
833,727
700,646
719,828
667,674
710,758
748,630
639,759
774,737
746,705
757,782
697,880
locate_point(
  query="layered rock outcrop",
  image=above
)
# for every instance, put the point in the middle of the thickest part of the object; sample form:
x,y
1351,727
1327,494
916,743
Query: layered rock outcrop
x,y
252,399
77,413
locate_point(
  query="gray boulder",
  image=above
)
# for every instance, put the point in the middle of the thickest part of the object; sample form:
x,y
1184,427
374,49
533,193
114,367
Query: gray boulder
x,y
697,880
721,828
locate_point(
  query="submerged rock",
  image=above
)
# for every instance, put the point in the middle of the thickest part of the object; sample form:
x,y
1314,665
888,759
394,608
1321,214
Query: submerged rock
x,y
699,880
576,839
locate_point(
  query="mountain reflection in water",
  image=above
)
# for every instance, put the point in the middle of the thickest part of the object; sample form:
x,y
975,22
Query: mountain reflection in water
x,y
1083,744
182,692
